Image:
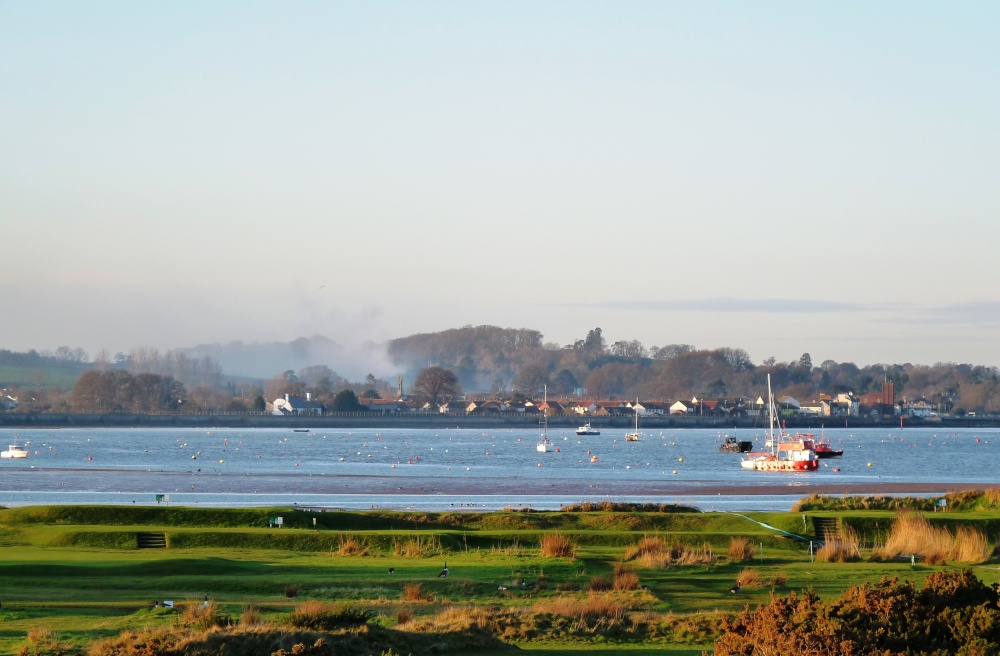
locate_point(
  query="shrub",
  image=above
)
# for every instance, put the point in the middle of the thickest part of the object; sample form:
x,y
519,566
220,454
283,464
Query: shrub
x,y
416,592
740,549
292,590
626,580
325,616
203,615
403,616
557,545
600,584
251,615
749,578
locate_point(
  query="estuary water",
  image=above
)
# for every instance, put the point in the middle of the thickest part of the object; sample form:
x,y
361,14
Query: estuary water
x,y
435,469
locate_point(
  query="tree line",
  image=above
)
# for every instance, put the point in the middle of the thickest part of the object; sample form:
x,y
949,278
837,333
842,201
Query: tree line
x,y
502,361
489,361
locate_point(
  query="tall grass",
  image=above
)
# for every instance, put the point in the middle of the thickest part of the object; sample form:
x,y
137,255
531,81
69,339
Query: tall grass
x,y
653,552
350,546
557,545
740,549
840,548
911,533
418,547
203,615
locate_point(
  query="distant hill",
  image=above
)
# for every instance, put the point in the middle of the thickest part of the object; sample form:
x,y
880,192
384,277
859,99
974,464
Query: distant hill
x,y
33,371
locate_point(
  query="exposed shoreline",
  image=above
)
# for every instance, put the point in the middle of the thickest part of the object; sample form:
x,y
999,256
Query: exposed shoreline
x,y
141,481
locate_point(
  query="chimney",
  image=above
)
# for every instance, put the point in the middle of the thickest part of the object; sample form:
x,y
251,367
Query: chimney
x,y
286,396
309,396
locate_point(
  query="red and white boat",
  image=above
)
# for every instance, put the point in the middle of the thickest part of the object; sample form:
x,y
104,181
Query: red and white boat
x,y
787,454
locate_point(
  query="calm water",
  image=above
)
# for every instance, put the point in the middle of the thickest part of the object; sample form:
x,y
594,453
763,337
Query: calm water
x,y
237,467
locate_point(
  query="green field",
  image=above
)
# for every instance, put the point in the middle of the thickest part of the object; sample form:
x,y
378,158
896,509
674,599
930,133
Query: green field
x,y
70,576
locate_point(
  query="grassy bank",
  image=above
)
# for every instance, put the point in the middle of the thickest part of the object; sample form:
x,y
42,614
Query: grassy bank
x,y
616,579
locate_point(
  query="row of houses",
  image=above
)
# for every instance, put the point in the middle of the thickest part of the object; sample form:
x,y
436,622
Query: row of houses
x,y
841,405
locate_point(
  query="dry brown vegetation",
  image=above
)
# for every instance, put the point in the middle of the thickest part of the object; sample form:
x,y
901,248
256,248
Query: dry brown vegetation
x,y
625,579
418,547
557,545
653,552
349,546
912,534
740,549
840,548
416,592
251,615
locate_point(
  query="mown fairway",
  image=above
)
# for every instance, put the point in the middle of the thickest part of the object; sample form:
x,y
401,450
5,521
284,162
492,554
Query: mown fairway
x,y
78,572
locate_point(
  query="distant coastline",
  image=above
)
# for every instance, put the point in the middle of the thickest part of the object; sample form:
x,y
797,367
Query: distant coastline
x,y
440,420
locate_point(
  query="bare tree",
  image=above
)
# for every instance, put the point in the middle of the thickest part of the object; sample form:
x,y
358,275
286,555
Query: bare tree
x,y
435,384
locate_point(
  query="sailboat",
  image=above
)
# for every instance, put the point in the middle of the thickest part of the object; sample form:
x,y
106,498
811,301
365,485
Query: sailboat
x,y
544,443
634,436
786,454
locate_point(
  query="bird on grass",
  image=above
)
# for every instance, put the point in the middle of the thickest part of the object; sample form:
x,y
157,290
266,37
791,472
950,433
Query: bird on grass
x,y
736,588
392,570
502,587
444,572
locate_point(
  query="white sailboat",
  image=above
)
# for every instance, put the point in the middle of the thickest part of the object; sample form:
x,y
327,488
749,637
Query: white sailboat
x,y
544,443
634,436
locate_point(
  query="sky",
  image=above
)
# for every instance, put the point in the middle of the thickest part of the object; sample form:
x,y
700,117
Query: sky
x,y
782,177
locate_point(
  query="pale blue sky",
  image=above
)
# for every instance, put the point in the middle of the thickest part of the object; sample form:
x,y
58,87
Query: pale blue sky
x,y
776,176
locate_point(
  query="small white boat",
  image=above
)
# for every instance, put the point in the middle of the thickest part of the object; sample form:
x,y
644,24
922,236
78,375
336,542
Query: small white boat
x,y
14,451
544,443
587,429
634,437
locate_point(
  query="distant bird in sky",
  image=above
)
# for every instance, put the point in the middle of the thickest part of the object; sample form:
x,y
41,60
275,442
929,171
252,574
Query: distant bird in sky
x,y
444,572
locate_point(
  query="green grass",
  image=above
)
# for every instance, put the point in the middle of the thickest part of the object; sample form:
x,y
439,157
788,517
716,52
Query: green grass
x,y
48,375
78,572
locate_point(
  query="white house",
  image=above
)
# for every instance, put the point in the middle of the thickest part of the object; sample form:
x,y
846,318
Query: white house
x,y
295,405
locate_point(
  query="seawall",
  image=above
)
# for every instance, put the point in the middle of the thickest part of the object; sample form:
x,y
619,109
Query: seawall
x,y
438,420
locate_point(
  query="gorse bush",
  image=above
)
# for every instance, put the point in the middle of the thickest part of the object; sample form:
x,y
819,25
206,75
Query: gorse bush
x,y
954,613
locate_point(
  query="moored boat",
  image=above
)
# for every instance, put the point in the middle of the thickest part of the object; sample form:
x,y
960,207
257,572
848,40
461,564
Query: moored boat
x,y
587,429
787,454
634,436
733,445
824,449
544,443
14,451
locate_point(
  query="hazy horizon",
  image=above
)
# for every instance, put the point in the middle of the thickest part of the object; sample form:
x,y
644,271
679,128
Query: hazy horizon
x,y
778,177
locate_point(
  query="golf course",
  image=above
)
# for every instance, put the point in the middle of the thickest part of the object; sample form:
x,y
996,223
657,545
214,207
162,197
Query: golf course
x,y
600,578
